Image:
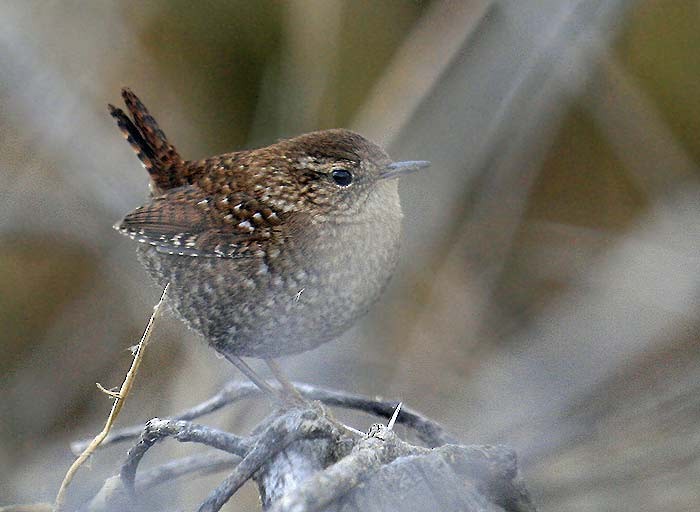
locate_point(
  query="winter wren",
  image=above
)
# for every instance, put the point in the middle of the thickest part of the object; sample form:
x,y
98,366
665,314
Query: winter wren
x,y
269,251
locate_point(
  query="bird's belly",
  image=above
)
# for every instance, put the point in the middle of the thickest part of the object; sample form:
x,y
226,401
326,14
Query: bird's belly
x,y
267,309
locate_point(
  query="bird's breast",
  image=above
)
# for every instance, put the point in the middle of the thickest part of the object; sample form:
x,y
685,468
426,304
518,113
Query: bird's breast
x,y
296,295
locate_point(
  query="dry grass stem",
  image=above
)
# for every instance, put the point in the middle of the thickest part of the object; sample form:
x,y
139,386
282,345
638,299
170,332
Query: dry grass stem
x,y
119,399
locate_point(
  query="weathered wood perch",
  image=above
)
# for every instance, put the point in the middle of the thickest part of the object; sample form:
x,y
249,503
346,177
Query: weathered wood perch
x,y
304,460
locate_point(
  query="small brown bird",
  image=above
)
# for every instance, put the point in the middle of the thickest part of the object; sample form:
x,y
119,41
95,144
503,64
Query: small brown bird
x,y
269,251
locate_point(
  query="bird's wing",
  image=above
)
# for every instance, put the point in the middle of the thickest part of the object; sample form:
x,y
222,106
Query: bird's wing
x,y
188,222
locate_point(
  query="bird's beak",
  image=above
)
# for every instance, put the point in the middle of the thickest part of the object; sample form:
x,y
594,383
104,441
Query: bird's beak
x,y
396,169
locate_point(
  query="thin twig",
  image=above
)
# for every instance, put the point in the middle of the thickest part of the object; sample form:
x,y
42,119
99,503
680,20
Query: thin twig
x,y
185,432
203,464
114,496
124,391
430,432
232,392
294,425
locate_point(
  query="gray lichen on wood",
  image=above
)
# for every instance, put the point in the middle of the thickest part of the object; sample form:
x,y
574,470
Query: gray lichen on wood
x,y
303,460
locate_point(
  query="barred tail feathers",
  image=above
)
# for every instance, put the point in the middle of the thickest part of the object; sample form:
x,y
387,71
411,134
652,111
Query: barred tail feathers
x,y
158,156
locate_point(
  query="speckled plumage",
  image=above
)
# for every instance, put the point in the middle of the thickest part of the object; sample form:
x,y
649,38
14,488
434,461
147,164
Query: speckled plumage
x,y
266,253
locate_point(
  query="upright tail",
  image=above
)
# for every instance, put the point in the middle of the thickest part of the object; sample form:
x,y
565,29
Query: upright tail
x,y
159,157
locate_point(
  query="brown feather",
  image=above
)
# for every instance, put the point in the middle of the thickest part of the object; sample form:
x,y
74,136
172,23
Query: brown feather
x,y
183,222
160,158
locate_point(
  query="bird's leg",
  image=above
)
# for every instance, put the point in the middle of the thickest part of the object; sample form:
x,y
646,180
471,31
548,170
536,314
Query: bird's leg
x,y
287,386
254,377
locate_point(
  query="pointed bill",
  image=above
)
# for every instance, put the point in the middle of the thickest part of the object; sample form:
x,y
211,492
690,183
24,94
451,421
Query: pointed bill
x,y
396,169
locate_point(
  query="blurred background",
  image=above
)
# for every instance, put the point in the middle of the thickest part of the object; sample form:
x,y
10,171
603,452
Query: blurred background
x,y
547,295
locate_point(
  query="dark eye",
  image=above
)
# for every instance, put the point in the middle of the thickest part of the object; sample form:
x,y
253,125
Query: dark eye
x,y
342,177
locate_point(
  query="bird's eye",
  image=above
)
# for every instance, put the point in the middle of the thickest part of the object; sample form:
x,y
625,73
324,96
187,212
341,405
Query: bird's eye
x,y
342,177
